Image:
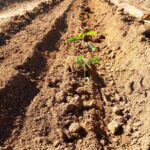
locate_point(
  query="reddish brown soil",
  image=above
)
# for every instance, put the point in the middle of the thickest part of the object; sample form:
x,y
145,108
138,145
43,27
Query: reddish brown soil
x,y
46,104
6,3
143,3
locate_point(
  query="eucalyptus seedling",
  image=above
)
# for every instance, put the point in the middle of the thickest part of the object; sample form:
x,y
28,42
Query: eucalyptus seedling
x,y
92,47
83,63
81,36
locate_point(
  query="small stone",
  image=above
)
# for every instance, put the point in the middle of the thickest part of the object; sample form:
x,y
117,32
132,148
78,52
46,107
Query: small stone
x,y
117,97
69,98
112,83
83,90
80,141
56,143
72,135
50,102
76,101
129,130
74,127
127,116
117,110
115,128
136,135
134,141
103,142
147,146
113,55
137,124
60,96
120,120
84,97
76,97
89,104
87,125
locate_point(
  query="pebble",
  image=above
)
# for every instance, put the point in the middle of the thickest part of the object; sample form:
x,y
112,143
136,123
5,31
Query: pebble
x,y
147,146
60,96
103,142
50,102
112,83
117,97
114,127
117,110
120,120
129,130
89,104
56,143
76,101
136,135
72,135
127,116
80,90
76,97
74,127
134,141
137,124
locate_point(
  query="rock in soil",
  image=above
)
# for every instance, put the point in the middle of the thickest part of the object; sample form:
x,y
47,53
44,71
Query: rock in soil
x,y
74,127
115,128
117,110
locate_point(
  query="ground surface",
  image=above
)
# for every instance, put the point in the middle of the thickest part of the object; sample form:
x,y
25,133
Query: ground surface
x,y
46,104
142,3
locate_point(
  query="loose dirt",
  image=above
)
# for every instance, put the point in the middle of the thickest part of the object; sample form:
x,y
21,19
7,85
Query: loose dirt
x,y
18,9
46,104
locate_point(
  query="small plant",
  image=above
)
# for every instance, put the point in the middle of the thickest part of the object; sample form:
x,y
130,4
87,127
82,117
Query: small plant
x,y
84,37
92,47
83,63
81,36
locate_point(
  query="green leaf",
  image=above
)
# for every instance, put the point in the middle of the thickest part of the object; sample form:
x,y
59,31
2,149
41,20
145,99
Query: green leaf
x,y
80,34
92,47
74,39
90,33
80,60
93,61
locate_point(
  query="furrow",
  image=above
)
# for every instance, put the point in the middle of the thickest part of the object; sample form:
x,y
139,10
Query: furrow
x,y
10,26
22,82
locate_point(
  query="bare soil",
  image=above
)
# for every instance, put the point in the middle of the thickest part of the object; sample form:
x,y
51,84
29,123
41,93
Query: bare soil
x,y
46,104
7,3
144,3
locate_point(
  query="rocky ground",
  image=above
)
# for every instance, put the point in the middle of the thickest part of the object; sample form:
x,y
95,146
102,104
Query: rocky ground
x,y
47,104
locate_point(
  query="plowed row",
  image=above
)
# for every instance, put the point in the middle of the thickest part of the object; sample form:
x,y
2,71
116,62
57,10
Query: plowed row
x,y
46,104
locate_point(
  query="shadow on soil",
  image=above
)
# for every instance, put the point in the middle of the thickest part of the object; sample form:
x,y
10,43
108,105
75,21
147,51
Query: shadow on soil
x,y
51,40
98,84
13,102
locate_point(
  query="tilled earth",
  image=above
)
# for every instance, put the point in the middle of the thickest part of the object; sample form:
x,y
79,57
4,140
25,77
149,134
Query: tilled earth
x,y
46,104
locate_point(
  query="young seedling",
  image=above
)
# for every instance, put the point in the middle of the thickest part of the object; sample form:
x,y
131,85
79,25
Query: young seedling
x,y
81,36
80,60
92,47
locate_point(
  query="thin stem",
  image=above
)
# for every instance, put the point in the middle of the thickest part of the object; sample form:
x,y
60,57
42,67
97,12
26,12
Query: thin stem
x,y
84,68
